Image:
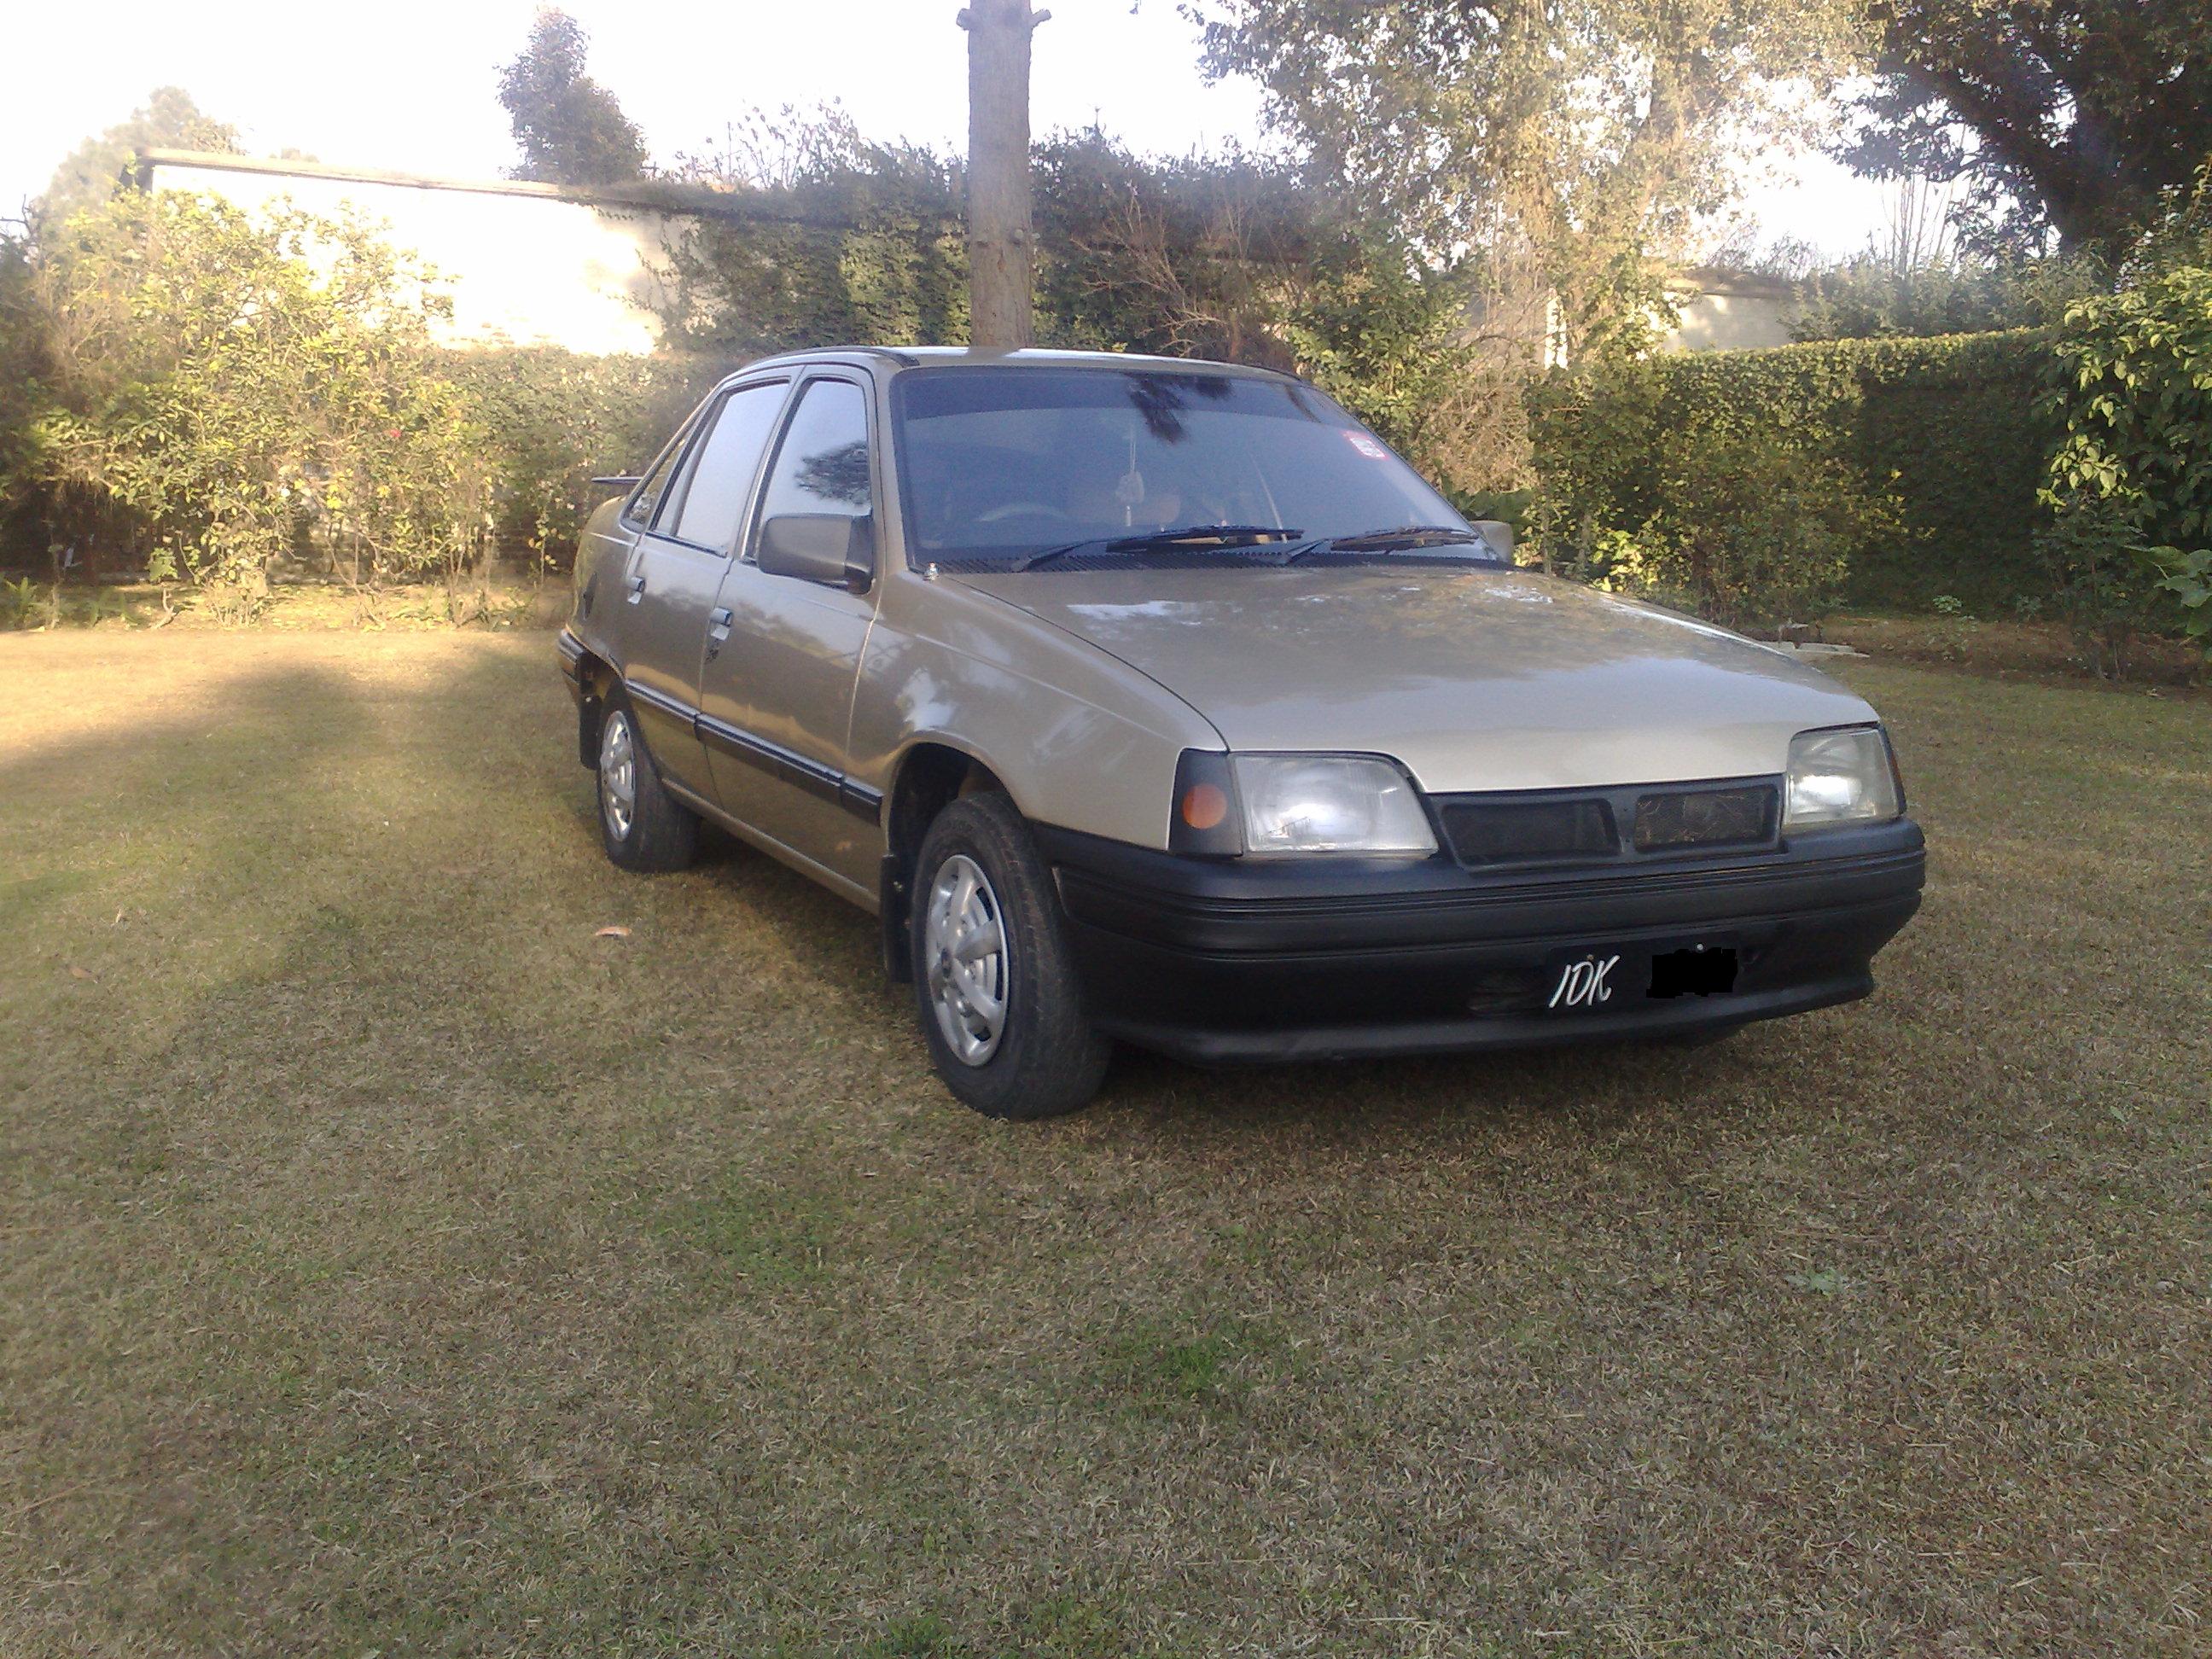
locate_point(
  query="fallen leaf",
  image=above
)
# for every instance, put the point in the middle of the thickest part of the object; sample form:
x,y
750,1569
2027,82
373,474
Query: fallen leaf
x,y
76,972
615,932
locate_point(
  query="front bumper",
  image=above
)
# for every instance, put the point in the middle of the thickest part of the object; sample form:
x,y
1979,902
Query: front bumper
x,y
1246,960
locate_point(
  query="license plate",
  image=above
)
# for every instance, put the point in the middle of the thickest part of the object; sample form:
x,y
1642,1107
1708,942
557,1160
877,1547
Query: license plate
x,y
1590,981
1702,971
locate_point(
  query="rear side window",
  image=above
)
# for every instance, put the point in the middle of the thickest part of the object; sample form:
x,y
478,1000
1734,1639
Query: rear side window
x,y
823,466
727,460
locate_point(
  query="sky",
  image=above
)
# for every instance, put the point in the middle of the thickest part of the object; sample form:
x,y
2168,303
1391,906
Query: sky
x,y
409,86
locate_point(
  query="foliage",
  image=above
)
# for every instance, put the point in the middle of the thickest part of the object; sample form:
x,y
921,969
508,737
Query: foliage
x,y
556,419
89,176
2187,577
1195,258
1872,297
1561,140
2131,482
833,238
571,129
1922,456
222,392
2100,587
1750,527
2064,115
830,239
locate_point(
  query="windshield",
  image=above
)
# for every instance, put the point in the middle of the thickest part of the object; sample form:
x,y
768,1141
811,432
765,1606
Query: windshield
x,y
1000,466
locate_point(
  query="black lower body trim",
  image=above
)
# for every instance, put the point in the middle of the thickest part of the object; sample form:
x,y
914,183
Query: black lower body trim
x,y
789,765
1241,962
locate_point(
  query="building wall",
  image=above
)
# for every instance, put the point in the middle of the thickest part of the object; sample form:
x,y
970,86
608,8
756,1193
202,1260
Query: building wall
x,y
1728,322
525,265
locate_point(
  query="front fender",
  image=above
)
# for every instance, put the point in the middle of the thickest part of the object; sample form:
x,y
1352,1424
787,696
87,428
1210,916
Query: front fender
x,y
1080,739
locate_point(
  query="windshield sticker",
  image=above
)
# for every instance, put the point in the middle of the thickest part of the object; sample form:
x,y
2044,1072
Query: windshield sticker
x,y
1370,447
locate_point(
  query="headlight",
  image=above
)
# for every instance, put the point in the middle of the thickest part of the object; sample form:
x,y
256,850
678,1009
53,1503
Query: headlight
x,y
1840,777
1230,804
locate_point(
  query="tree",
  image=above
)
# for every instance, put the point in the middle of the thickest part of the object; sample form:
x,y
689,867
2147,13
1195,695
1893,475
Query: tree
x,y
2072,116
1570,136
1001,254
88,177
214,391
827,236
571,129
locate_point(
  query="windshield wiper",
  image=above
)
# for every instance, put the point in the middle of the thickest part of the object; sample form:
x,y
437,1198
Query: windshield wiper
x,y
1384,541
1405,535
1154,541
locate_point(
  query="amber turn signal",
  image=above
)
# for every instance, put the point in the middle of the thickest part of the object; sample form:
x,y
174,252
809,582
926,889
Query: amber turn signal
x,y
1203,819
1204,806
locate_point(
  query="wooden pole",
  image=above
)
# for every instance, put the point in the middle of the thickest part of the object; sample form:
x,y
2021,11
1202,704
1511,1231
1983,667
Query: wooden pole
x,y
1000,250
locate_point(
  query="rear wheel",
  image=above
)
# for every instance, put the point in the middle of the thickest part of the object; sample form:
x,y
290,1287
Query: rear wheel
x,y
995,986
643,826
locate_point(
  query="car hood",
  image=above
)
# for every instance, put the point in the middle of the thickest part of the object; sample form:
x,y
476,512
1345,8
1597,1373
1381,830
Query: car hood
x,y
1475,677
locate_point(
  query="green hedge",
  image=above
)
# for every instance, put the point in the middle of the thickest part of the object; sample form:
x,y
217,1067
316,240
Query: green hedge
x,y
559,419
1943,437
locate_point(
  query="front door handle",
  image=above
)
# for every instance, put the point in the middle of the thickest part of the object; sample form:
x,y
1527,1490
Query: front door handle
x,y
637,587
718,629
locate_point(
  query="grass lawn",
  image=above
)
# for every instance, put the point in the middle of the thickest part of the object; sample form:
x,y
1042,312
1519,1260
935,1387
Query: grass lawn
x,y
388,1263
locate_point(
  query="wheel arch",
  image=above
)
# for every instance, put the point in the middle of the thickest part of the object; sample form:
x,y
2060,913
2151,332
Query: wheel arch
x,y
931,772
596,680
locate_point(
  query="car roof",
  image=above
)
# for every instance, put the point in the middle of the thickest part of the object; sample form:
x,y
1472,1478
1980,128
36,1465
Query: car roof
x,y
896,358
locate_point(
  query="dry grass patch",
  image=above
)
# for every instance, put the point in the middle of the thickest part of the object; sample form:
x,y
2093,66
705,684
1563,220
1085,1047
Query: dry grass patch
x,y
387,1262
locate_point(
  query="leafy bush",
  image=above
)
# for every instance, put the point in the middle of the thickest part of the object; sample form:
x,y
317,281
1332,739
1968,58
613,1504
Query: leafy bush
x,y
1230,256
1924,455
219,397
222,392
2131,484
556,419
1750,530
1871,296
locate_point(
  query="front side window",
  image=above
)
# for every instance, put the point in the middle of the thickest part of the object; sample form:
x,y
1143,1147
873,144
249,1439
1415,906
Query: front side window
x,y
823,466
722,476
1000,465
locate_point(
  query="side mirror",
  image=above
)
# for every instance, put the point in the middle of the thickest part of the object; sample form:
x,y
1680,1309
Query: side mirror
x,y
1496,536
820,547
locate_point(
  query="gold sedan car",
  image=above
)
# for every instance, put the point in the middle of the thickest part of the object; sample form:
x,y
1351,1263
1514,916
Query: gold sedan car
x,y
1161,703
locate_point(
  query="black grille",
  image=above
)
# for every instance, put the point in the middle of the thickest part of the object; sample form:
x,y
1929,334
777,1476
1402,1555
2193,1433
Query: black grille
x,y
1498,832
1704,817
1583,825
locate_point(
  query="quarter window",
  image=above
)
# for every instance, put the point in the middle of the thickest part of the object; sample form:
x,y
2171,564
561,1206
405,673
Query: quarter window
x,y
728,458
639,510
823,466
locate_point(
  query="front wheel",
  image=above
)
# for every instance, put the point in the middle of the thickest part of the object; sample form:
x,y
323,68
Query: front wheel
x,y
994,984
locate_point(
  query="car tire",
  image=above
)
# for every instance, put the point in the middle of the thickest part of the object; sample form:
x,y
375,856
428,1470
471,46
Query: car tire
x,y
978,867
643,827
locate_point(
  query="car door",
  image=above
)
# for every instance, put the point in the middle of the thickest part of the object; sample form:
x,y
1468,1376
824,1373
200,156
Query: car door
x,y
776,687
677,568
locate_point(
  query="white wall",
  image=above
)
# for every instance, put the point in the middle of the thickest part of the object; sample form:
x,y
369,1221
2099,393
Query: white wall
x,y
523,266
1727,322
